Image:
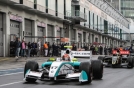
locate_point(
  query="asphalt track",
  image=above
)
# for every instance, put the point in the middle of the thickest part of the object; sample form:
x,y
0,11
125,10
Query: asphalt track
x,y
112,78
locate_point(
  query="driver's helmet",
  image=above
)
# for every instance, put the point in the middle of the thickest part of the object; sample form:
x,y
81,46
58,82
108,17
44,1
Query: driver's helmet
x,y
67,51
118,51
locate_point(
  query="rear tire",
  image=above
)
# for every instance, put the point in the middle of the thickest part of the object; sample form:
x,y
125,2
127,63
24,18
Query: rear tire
x,y
85,66
130,62
133,60
97,68
33,66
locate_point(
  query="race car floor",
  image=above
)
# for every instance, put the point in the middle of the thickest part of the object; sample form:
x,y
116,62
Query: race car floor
x,y
113,78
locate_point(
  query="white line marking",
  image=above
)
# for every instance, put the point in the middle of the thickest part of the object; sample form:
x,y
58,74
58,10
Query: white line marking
x,y
10,83
11,74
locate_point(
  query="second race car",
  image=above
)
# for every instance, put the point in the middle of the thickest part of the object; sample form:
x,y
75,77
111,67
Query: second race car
x,y
118,59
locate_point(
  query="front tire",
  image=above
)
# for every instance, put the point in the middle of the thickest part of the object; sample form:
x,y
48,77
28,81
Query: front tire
x,y
33,66
97,68
85,66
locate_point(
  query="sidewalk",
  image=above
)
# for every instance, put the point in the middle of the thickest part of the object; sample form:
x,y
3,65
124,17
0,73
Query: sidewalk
x,y
11,63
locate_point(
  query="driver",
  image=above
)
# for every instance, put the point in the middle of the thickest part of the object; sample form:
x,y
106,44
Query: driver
x,y
66,56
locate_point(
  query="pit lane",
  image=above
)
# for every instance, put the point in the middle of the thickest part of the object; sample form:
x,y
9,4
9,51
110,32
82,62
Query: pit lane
x,y
113,78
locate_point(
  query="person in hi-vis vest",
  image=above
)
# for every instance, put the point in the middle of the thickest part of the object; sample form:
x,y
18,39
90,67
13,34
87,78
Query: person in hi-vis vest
x,y
46,49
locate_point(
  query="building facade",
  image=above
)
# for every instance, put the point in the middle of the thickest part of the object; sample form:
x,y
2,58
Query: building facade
x,y
82,21
126,7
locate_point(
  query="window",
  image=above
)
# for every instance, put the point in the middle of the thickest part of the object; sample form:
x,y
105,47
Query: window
x,y
87,23
60,6
93,19
99,25
56,7
35,1
89,19
46,3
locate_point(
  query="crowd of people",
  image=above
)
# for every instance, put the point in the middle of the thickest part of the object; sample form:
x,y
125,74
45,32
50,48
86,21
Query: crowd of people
x,y
23,49
29,49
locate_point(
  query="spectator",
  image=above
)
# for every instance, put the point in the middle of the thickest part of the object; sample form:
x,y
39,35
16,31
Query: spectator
x,y
74,48
110,50
91,48
29,49
17,47
53,49
62,46
46,49
57,50
105,50
126,48
26,49
101,50
39,48
23,48
49,47
96,50
33,49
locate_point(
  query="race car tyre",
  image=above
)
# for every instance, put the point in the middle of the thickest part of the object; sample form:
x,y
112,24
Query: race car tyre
x,y
97,69
86,66
130,62
100,58
33,66
133,61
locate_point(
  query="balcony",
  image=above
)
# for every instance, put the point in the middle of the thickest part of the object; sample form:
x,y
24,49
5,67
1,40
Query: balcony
x,y
40,8
27,3
76,15
60,15
16,1
10,1
50,11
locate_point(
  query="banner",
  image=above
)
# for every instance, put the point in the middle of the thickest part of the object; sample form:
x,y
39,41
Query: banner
x,y
81,53
78,53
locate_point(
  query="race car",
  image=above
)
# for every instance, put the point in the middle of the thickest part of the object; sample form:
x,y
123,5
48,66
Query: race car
x,y
58,69
118,59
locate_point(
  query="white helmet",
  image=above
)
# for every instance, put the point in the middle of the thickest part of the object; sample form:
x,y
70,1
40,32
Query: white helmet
x,y
68,51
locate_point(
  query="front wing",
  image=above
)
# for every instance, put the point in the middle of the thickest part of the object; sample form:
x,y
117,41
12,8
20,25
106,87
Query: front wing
x,y
112,61
82,76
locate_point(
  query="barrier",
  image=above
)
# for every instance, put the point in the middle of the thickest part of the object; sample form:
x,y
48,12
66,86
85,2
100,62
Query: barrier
x,y
78,53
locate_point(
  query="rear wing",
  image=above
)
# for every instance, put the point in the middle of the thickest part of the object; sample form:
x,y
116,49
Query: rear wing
x,y
124,52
